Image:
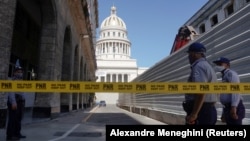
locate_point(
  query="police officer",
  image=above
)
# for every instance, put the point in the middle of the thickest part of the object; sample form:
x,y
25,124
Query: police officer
x,y
200,108
16,104
234,109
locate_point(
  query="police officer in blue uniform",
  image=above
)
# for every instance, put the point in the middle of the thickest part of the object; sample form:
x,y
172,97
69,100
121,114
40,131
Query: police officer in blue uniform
x,y
200,108
234,109
16,104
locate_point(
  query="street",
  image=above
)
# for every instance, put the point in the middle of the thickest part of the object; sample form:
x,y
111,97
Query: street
x,y
81,125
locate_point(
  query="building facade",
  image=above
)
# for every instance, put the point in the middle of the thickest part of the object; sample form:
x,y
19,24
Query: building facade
x,y
113,54
53,40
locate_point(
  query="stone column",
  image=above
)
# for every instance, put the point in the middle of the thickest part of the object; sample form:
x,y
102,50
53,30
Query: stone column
x,y
7,17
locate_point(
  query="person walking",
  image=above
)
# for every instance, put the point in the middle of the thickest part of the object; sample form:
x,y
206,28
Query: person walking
x,y
234,110
16,104
200,108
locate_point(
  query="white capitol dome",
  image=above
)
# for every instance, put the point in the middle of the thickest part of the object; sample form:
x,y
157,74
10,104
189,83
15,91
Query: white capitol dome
x,y
113,55
113,20
113,42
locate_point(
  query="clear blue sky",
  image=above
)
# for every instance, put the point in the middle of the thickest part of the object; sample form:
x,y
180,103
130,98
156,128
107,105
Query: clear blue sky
x,y
151,24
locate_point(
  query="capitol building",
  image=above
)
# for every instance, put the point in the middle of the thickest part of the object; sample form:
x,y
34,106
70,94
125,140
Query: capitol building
x,y
113,55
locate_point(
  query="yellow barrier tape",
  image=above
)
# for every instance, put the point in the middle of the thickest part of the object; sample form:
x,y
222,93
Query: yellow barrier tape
x,y
129,87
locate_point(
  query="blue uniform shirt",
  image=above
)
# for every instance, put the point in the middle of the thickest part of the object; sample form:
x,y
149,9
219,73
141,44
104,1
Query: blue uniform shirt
x,y
234,98
202,71
11,95
12,98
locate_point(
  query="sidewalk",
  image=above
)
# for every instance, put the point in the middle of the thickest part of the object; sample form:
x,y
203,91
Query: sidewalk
x,y
45,127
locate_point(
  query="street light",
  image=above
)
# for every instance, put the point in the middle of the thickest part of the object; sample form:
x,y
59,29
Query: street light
x,y
32,74
84,36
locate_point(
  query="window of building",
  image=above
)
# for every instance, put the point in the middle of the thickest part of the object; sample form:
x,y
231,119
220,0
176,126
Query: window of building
x,y
108,34
110,44
202,28
119,78
229,10
102,79
113,77
119,34
113,33
103,50
214,20
108,77
125,78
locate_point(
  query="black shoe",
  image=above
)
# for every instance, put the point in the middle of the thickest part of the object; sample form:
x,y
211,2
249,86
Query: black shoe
x,y
12,138
22,136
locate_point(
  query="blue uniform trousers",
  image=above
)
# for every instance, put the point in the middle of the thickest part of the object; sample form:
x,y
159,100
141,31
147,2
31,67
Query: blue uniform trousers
x,y
240,113
15,118
207,114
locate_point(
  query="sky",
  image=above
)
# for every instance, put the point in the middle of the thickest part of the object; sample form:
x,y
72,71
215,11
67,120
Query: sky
x,y
151,24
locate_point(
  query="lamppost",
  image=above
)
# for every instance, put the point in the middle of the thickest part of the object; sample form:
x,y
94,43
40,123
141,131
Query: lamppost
x,y
32,74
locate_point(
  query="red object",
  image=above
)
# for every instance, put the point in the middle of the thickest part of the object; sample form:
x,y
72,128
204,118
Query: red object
x,y
182,38
179,42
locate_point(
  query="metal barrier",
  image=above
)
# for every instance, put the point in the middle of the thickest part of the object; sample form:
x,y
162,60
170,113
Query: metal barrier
x,y
230,38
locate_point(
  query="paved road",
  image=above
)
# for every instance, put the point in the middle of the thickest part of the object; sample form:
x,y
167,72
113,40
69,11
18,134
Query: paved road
x,y
81,125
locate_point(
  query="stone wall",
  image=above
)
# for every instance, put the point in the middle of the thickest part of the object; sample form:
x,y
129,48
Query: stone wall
x,y
7,14
47,35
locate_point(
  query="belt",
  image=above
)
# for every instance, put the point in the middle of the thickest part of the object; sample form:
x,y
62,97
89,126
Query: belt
x,y
204,103
19,97
209,103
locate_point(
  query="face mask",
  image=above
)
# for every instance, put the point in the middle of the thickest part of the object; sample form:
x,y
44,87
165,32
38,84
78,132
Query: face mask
x,y
219,68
